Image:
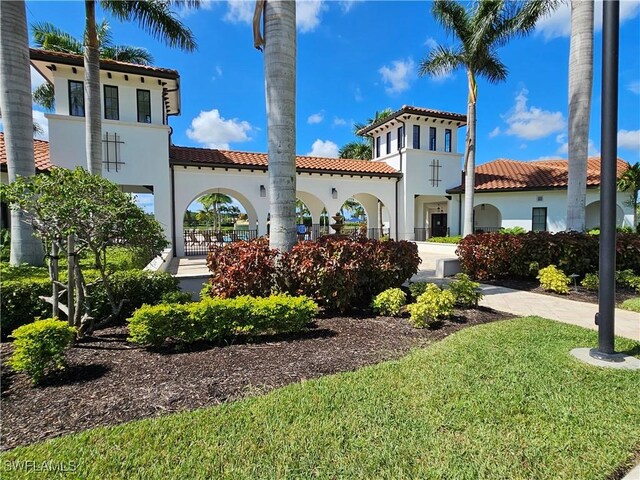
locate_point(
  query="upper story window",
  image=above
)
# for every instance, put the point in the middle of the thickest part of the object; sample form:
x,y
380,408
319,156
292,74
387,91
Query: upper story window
x,y
111,106
76,98
416,137
432,138
144,106
377,147
400,138
447,140
388,143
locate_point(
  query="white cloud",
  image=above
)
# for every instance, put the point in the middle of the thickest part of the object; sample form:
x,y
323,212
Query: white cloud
x,y
212,130
324,148
431,43
218,72
532,123
634,87
558,24
563,149
347,5
358,95
339,122
629,139
41,120
308,13
316,118
239,11
398,76
495,132
36,79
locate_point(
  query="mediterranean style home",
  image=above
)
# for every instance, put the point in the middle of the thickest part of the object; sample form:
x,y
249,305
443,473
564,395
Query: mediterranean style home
x,y
414,180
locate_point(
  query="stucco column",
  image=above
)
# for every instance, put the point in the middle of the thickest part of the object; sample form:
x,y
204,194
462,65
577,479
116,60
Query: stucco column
x,y
453,218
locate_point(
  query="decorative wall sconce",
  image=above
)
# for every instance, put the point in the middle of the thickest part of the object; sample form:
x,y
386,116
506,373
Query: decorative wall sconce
x,y
263,191
334,193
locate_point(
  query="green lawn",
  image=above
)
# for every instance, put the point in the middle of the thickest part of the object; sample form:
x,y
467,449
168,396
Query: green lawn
x,y
503,400
632,304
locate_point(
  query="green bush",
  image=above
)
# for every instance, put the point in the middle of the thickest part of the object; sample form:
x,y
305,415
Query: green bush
x,y
389,302
214,319
431,306
632,304
512,230
591,281
628,279
40,345
20,303
553,279
465,291
176,297
417,288
453,239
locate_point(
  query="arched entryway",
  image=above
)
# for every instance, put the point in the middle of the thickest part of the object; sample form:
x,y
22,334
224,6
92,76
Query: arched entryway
x,y
592,215
486,218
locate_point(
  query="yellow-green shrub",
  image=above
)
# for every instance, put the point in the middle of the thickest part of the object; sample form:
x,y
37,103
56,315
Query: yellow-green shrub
x,y
431,306
465,291
389,302
591,281
40,345
216,318
552,279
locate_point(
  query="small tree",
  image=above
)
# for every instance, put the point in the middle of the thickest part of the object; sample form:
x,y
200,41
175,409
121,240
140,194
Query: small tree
x,y
76,212
629,181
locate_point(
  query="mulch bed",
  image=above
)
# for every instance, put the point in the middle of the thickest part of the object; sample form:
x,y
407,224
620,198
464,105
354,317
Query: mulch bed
x,y
579,293
109,381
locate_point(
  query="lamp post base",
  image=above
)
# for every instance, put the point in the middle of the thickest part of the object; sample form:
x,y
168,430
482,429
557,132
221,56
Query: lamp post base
x,y
615,360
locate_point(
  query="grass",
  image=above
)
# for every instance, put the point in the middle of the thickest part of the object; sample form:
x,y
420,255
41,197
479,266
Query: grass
x,y
632,304
502,400
454,239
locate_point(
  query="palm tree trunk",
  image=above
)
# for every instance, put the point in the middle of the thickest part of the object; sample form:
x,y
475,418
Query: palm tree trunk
x,y
280,86
15,103
580,86
470,157
93,123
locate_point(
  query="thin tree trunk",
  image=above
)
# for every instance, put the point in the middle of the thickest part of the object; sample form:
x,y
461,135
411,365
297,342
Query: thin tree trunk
x,y
280,87
54,276
580,86
17,118
71,298
93,118
470,157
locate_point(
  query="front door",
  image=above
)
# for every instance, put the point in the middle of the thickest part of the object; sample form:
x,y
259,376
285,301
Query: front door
x,y
438,225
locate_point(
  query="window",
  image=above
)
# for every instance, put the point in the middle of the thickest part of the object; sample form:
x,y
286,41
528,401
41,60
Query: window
x,y
539,219
76,98
416,137
111,107
377,147
144,106
388,143
432,138
400,138
447,140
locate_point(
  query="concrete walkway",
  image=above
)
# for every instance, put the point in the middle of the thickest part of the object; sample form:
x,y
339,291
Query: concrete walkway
x,y
518,302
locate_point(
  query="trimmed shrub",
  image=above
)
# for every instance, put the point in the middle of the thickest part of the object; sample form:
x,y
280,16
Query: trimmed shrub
x,y
512,230
632,304
337,272
20,303
431,306
176,297
214,319
453,239
40,345
553,279
389,302
417,288
624,278
591,281
493,255
465,291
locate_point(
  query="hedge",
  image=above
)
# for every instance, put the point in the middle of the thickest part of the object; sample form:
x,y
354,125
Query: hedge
x,y
215,319
495,255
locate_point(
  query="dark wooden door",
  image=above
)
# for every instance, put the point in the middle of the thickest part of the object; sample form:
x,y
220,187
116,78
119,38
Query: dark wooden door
x,y
438,225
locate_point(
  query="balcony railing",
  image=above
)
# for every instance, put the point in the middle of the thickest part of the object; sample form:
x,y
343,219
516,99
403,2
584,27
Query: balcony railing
x,y
486,229
197,242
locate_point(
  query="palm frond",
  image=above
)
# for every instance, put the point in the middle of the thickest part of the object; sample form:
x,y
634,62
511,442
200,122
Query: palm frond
x,y
485,23
49,37
157,19
453,17
44,96
103,30
519,19
441,61
124,53
488,65
356,150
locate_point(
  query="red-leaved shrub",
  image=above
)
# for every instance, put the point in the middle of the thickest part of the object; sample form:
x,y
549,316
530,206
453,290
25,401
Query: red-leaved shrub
x,y
337,272
496,255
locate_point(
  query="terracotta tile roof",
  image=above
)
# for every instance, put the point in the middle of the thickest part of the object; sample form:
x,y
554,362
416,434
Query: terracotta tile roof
x,y
409,110
212,157
41,153
504,174
78,60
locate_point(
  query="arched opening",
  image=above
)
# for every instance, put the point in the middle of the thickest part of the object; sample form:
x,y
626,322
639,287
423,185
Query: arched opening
x,y
216,217
486,218
592,216
366,213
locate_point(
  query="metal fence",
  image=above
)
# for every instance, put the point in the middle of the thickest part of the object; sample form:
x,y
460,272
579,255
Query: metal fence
x,y
423,234
197,242
486,229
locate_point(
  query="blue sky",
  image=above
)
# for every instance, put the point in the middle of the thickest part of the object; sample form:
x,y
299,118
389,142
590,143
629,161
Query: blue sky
x,y
357,57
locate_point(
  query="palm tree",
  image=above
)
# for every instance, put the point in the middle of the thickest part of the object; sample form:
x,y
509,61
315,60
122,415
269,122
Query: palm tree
x,y
156,17
629,181
280,87
302,210
211,203
580,86
15,104
49,37
357,149
480,30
